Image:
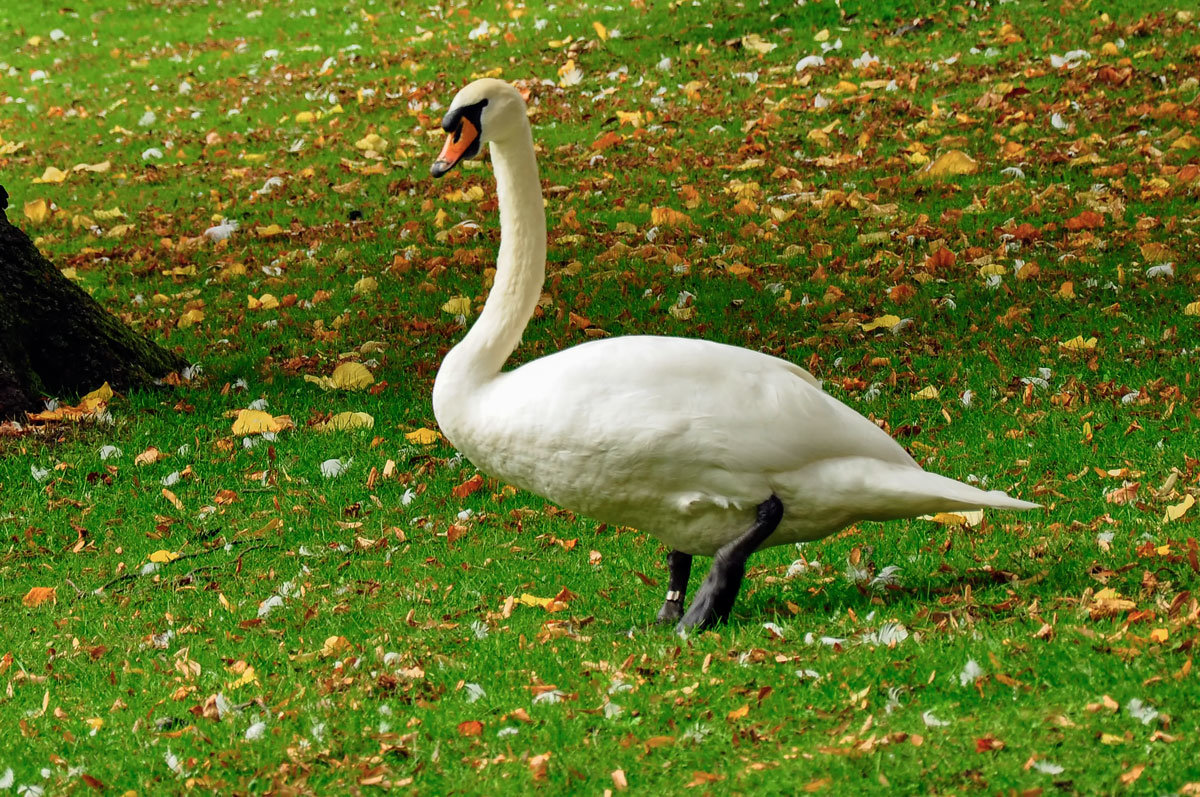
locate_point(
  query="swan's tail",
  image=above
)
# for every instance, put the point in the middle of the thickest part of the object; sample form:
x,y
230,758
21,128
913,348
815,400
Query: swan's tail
x,y
887,491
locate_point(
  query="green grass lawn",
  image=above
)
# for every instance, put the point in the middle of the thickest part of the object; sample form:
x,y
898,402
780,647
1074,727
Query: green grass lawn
x,y
225,617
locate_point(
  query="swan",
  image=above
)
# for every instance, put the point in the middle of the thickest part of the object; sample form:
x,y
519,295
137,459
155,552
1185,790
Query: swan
x,y
714,449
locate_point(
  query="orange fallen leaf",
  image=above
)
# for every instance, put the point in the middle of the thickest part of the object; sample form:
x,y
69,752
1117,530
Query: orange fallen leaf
x,y
669,217
1135,772
538,765
39,595
738,713
1087,220
471,485
470,728
702,778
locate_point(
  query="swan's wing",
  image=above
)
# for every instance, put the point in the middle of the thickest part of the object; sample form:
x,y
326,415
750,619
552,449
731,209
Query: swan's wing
x,y
703,414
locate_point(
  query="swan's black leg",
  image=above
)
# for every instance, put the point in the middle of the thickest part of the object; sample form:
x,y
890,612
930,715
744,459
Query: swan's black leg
x,y
714,600
680,565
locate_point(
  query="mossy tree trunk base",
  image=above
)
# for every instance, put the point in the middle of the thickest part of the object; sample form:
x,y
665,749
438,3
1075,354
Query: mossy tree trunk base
x,y
55,339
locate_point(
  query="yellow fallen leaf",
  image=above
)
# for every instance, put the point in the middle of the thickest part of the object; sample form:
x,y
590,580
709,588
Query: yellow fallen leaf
x,y
457,305
95,168
1186,141
1160,635
1192,308
118,231
993,270
258,422
533,600
951,164
366,285
757,44
163,557
423,437
372,142
925,393
109,215
190,318
270,231
738,713
51,175
822,35
601,31
1066,290
95,723
669,217
969,518
1077,343
37,211
883,322
98,397
334,645
39,595
304,117
1176,511
352,376
266,302
247,677
345,421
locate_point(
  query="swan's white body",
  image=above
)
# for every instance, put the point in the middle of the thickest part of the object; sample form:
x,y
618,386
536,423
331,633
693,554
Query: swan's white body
x,y
678,437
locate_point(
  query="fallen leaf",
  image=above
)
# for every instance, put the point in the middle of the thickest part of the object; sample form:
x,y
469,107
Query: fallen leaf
x,y
148,457
471,485
1135,772
258,422
470,728
51,175
37,211
423,436
668,217
268,301
883,322
163,557
352,376
1078,343
1176,511
457,305
952,164
756,43
333,646
372,142
738,713
345,421
39,595
1087,220
926,393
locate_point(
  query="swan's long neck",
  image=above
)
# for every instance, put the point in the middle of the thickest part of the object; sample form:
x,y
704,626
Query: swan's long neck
x,y
520,267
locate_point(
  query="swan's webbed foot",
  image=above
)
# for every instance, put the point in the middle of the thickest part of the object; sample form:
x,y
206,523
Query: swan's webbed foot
x,y
680,566
715,598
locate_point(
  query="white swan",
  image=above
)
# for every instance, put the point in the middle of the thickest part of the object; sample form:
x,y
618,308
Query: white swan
x,y
714,449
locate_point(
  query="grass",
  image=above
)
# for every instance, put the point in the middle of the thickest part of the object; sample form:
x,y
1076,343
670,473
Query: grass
x,y
336,634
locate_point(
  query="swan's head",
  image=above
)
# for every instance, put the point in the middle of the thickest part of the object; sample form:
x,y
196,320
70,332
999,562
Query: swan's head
x,y
486,110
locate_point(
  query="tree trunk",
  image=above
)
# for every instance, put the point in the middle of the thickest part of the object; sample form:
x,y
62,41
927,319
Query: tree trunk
x,y
57,340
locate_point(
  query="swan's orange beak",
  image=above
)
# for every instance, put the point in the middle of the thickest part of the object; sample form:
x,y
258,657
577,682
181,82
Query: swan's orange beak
x,y
458,144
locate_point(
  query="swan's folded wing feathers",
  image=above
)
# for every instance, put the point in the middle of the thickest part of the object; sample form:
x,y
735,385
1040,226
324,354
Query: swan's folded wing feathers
x,y
706,406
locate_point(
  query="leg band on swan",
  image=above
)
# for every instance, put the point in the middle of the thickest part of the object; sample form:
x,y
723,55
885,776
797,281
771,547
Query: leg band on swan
x,y
679,564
